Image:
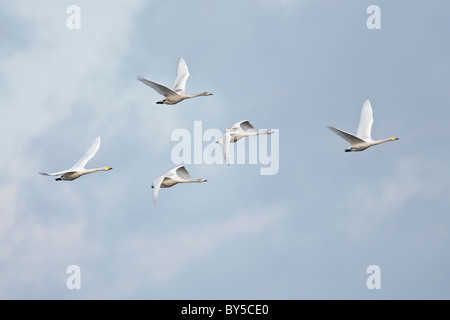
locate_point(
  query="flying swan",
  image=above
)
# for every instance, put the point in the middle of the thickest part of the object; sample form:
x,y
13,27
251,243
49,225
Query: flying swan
x,y
236,132
177,94
171,178
78,168
363,139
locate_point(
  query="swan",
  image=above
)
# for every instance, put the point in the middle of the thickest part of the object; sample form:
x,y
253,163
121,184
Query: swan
x,y
363,139
236,132
177,94
78,169
171,178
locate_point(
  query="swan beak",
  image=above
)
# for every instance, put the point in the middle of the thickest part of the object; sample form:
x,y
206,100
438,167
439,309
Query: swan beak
x,y
109,168
395,138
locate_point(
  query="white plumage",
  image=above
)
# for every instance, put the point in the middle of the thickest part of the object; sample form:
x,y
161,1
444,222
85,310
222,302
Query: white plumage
x,y
236,132
78,169
177,94
363,139
171,178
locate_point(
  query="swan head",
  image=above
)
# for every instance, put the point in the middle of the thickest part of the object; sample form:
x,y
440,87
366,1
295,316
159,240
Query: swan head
x,y
107,168
394,138
206,93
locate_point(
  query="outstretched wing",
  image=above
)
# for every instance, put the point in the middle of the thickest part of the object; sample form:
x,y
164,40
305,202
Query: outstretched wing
x,y
182,76
56,173
182,172
163,90
224,141
365,122
347,136
245,125
88,155
156,186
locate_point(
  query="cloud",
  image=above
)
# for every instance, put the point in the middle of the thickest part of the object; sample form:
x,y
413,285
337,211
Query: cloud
x,y
163,257
371,204
31,252
191,243
9,205
45,79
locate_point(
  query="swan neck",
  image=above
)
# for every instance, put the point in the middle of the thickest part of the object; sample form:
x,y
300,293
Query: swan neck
x,y
95,170
197,95
195,180
382,141
255,133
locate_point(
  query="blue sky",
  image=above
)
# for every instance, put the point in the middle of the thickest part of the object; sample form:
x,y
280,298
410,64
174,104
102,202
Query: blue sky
x,y
308,232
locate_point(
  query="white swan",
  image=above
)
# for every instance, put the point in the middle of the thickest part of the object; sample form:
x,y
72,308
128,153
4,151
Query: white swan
x,y
236,132
171,178
178,93
363,139
78,169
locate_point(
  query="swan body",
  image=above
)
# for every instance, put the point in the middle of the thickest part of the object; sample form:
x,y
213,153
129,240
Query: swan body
x,y
177,94
363,139
236,132
78,169
171,178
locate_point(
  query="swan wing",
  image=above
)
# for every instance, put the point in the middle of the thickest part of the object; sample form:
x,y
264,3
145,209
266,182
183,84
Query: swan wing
x,y
183,173
220,140
226,140
88,155
156,186
347,136
163,90
365,122
182,76
56,173
245,125
172,172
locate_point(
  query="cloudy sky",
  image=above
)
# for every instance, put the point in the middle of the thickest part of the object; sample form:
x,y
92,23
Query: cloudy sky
x,y
310,231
